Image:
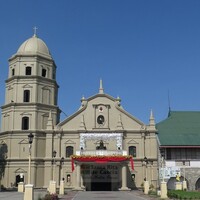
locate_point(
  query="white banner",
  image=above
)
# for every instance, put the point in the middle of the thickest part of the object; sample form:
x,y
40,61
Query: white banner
x,y
169,172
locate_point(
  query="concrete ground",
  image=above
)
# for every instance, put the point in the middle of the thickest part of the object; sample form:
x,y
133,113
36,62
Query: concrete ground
x,y
74,195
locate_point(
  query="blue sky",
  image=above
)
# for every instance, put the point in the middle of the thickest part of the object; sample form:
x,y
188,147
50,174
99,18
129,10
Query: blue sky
x,y
142,50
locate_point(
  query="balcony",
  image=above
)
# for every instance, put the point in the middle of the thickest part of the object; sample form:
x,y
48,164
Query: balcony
x,y
101,153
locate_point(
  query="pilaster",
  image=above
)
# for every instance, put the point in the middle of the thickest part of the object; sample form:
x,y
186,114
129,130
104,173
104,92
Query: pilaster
x,y
78,177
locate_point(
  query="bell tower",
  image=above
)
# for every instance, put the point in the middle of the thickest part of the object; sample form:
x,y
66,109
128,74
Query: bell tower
x,y
31,88
30,107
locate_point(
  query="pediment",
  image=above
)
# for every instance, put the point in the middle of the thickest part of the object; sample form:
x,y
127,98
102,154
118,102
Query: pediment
x,y
132,142
69,142
24,141
6,115
2,142
46,88
20,170
26,113
113,115
10,87
27,86
46,114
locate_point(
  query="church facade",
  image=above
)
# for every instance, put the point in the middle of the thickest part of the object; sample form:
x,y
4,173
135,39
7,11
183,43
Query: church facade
x,y
100,147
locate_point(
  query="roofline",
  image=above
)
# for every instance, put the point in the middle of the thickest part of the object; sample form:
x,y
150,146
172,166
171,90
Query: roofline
x,y
129,115
101,95
167,146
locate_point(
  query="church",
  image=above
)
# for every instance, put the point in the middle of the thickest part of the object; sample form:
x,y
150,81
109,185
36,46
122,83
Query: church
x,y
99,147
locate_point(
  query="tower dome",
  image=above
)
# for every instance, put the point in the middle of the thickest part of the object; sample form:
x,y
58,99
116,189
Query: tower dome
x,y
34,45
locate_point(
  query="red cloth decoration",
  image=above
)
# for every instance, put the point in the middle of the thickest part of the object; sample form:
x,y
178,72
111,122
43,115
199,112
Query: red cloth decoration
x,y
132,164
102,159
72,162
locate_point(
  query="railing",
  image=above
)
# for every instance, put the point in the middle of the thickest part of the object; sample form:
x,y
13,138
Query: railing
x,y
101,153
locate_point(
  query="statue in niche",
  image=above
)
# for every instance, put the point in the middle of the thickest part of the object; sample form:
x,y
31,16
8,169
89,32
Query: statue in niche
x,y
101,146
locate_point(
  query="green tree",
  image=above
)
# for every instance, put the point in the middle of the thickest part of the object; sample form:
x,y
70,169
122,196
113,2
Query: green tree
x,y
3,156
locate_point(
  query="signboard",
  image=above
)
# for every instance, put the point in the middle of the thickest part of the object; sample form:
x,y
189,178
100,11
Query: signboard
x,y
100,173
168,172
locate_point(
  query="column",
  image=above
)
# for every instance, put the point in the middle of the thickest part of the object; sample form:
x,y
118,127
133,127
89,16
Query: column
x,y
124,178
163,188
62,187
146,187
178,185
29,192
52,187
21,187
78,177
184,185
82,186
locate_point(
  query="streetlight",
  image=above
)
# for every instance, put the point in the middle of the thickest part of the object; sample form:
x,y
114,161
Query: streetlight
x,y
163,169
62,163
184,169
146,183
146,162
54,155
62,187
30,141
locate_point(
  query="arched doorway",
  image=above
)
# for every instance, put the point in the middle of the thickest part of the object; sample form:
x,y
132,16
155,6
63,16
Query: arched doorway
x,y
17,180
101,180
171,182
197,185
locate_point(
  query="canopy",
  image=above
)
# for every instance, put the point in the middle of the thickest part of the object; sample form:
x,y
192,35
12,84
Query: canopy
x,y
102,159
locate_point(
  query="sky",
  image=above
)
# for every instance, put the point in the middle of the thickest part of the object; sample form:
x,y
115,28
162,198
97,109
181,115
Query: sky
x,y
146,52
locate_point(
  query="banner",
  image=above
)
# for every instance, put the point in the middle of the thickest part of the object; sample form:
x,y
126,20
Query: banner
x,y
102,159
168,172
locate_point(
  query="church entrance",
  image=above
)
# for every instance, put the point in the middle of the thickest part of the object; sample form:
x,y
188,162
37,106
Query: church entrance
x,y
100,177
101,181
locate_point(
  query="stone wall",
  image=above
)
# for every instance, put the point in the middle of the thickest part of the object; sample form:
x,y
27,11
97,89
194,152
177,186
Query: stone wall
x,y
192,175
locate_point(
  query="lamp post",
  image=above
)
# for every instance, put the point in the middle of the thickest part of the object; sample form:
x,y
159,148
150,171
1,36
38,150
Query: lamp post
x,y
62,187
163,184
62,163
146,163
184,169
29,190
163,170
146,183
54,162
52,184
30,141
184,181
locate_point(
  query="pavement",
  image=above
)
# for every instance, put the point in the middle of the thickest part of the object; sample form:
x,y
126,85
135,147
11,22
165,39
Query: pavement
x,y
81,195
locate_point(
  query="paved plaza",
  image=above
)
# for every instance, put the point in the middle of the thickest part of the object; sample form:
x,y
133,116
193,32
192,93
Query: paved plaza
x,y
74,195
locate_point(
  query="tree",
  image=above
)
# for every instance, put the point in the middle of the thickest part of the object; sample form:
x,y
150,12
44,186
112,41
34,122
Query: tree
x,y
3,156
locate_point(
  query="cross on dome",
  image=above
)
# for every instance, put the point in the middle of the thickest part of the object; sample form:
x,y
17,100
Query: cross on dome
x,y
35,31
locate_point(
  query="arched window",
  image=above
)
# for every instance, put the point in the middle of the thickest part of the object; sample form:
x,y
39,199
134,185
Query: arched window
x,y
28,70
25,123
44,72
69,151
13,72
68,178
132,151
26,95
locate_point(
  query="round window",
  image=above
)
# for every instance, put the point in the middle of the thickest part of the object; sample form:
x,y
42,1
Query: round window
x,y
100,119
